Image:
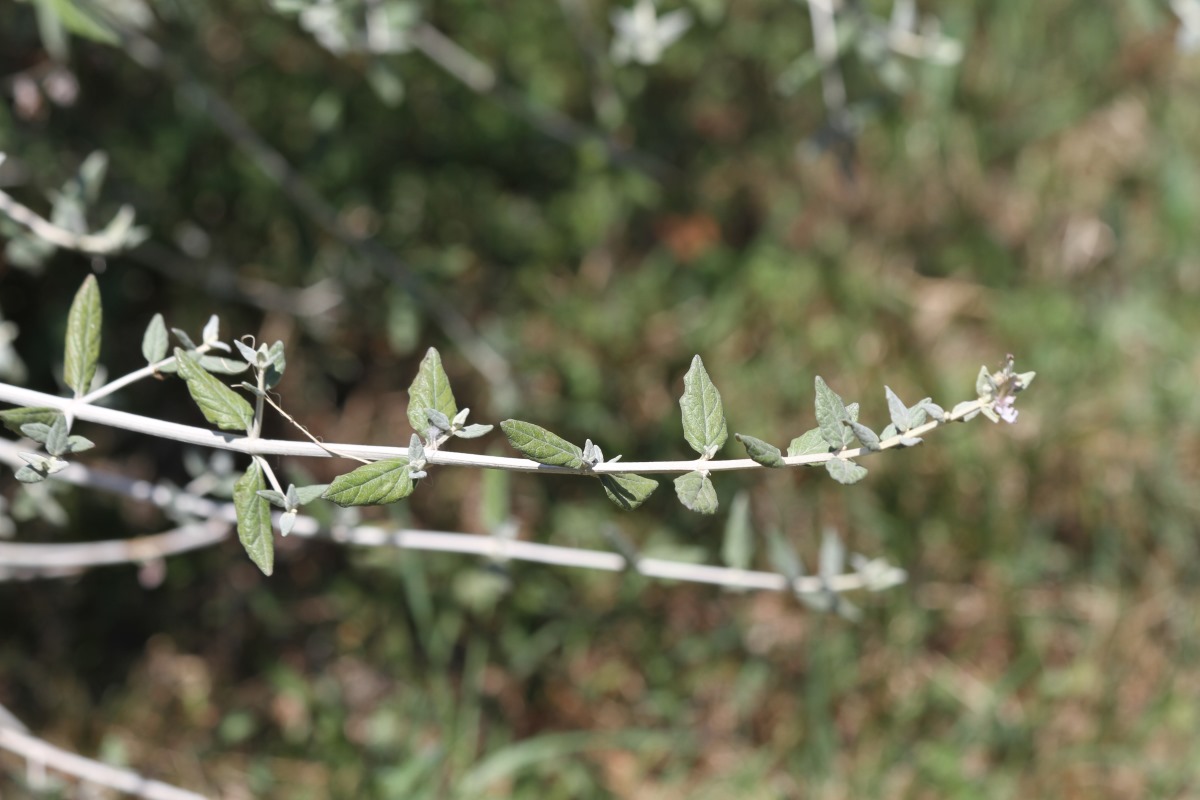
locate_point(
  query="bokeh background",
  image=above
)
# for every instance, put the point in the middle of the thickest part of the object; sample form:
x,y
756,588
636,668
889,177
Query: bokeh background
x,y
598,224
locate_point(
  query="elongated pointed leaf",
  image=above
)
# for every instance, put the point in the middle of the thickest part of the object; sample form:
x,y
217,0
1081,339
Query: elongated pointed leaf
x,y
56,437
541,445
831,411
783,555
737,549
372,484
154,340
254,519
703,414
696,492
811,443
220,405
83,337
15,418
868,437
897,409
832,558
844,471
628,490
430,390
306,494
766,454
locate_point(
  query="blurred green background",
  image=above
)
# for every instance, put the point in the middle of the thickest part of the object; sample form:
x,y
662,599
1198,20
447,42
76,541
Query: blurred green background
x,y
1039,197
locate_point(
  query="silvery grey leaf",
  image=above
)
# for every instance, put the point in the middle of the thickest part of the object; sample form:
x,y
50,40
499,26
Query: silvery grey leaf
x,y
212,330
737,548
461,417
438,420
38,431
810,443
832,558
844,471
831,413
78,444
28,474
222,365
888,432
287,521
154,340
864,434
911,441
934,410
306,494
56,439
273,497
897,409
291,497
473,431
763,453
183,338
15,418
628,490
695,491
246,351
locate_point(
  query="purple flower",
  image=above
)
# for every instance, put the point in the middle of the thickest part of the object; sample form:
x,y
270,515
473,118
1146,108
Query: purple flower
x,y
1004,407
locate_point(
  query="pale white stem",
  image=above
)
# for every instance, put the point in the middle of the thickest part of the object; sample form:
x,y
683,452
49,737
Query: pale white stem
x,y
107,242
261,447
495,547
82,555
825,42
42,752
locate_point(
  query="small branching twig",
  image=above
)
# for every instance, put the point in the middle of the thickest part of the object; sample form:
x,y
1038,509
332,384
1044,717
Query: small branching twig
x,y
44,754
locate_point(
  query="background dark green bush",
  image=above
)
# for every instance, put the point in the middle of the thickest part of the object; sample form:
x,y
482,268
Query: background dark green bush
x,y
1040,198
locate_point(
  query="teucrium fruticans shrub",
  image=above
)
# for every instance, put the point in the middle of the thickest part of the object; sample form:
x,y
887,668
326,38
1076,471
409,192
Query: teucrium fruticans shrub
x,y
436,419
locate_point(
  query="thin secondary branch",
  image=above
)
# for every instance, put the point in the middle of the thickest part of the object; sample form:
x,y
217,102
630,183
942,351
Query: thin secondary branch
x,y
494,547
825,42
481,79
83,555
261,447
40,751
110,240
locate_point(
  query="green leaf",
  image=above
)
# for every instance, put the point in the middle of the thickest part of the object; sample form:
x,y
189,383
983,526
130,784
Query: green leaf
x,y
278,361
56,437
985,387
541,445
897,409
844,471
254,519
15,418
831,412
783,556
703,415
430,390
306,494
220,405
811,443
473,431
628,490
222,365
273,497
738,547
868,437
696,492
888,432
154,340
78,444
372,484
83,337
766,454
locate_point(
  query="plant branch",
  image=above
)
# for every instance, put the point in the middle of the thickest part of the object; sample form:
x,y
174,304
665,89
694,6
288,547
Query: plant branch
x,y
219,513
261,447
110,240
42,752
